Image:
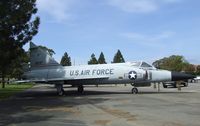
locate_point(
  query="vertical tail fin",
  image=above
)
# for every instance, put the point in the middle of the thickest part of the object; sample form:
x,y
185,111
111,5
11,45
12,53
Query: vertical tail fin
x,y
40,57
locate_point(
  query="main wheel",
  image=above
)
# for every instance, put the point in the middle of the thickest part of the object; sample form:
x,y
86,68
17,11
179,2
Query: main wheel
x,y
60,89
134,90
80,89
61,92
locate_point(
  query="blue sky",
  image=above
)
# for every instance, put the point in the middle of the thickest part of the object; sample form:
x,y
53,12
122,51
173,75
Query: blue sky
x,y
142,29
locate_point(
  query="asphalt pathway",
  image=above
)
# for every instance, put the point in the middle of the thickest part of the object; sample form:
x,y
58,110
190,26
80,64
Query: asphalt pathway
x,y
103,106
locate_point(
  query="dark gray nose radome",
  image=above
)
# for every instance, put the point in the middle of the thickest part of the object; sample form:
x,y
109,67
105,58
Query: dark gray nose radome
x,y
176,76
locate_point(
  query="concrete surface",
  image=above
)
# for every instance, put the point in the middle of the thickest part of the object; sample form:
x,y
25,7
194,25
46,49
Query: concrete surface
x,y
103,106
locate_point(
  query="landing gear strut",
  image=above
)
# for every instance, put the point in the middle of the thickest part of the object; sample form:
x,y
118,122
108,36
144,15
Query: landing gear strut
x,y
80,89
60,89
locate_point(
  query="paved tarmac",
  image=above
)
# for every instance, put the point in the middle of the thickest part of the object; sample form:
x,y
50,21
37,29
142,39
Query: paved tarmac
x,y
103,106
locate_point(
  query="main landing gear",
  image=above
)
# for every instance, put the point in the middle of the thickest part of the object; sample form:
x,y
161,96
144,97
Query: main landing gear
x,y
60,89
61,92
80,89
134,90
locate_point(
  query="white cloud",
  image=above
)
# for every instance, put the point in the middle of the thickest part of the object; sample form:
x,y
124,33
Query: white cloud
x,y
148,38
57,9
160,40
60,10
134,5
140,6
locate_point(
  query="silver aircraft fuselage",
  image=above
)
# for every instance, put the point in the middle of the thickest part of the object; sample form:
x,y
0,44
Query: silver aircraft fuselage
x,y
117,73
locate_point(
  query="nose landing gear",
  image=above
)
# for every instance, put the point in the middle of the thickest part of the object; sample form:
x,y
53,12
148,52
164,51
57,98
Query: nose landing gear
x,y
134,89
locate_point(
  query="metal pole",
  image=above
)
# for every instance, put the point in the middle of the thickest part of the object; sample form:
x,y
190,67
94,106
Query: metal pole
x,y
179,85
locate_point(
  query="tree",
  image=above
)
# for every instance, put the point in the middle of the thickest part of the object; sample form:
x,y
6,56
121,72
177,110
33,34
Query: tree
x,y
172,63
17,27
18,67
118,58
198,69
93,59
66,60
189,68
101,59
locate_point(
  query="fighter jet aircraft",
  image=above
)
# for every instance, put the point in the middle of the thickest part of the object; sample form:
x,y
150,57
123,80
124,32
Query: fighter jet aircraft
x,y
44,69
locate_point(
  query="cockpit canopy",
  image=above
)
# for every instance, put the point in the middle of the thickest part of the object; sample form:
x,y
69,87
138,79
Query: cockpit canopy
x,y
142,65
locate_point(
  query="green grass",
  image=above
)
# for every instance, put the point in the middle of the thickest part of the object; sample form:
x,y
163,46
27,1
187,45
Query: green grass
x,y
12,89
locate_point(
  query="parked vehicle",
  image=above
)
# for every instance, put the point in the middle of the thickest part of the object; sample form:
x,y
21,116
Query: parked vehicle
x,y
175,84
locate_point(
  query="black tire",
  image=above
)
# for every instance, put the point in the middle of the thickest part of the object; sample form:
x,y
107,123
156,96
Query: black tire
x,y
185,84
134,90
61,93
80,89
175,85
164,86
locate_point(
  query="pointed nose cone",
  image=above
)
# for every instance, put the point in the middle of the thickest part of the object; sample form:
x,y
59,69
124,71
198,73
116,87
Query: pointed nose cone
x,y
176,76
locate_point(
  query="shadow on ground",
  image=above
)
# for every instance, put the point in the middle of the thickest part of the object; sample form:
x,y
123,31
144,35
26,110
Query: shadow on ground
x,y
34,106
6,119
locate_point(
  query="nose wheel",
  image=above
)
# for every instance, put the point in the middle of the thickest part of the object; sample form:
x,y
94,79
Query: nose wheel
x,y
134,90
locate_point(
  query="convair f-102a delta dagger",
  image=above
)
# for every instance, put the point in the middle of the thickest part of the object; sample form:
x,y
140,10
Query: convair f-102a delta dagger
x,y
44,69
